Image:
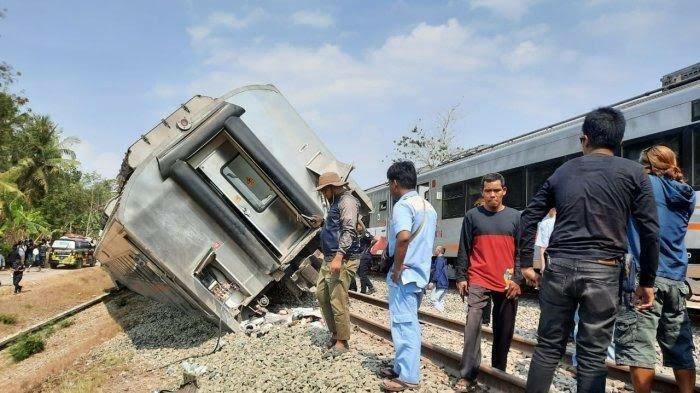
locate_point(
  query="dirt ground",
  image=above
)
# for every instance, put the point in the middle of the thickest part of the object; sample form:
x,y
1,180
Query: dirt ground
x,y
66,366
47,293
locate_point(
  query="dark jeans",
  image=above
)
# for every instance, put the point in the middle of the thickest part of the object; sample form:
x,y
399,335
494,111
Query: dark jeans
x,y
16,278
363,273
504,311
594,289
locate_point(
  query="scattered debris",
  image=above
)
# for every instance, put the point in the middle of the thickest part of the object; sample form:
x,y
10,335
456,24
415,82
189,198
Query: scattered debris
x,y
262,325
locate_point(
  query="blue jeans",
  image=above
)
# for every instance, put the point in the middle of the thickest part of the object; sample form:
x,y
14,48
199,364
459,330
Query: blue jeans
x,y
404,301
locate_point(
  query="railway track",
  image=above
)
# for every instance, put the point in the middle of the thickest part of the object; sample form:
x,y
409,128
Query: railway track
x,y
4,342
493,377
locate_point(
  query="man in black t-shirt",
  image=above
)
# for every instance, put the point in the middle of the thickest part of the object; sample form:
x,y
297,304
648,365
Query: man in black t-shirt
x,y
594,196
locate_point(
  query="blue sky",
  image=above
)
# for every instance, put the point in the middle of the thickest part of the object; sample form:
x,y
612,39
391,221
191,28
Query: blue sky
x,y
361,73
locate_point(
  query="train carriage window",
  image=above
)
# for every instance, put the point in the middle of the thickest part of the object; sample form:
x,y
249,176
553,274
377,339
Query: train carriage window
x,y
515,195
537,174
453,200
632,150
473,192
248,182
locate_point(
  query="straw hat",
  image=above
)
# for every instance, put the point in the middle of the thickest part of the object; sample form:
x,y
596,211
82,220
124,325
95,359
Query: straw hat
x,y
329,179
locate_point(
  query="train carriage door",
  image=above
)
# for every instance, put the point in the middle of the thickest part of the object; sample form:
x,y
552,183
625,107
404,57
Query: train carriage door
x,y
248,189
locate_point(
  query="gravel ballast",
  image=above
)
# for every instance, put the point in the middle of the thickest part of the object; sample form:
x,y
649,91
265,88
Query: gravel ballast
x,y
162,343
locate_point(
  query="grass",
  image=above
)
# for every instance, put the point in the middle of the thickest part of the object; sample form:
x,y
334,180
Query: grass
x,y
30,344
26,346
8,319
65,323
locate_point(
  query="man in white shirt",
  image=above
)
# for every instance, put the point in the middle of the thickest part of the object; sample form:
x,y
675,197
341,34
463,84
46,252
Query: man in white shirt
x,y
544,232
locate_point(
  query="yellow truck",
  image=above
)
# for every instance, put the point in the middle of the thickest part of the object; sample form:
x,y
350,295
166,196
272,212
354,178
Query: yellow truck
x,y
71,251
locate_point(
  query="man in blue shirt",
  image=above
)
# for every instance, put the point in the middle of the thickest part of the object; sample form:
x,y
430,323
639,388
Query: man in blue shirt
x,y
411,235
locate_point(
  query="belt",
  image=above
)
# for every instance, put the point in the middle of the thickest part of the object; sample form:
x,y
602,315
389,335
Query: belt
x,y
608,262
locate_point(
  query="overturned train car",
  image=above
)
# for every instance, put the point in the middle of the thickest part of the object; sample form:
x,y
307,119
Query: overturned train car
x,y
214,205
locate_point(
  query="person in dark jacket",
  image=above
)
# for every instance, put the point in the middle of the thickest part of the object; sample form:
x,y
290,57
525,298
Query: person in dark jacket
x,y
341,255
595,195
667,322
438,279
18,269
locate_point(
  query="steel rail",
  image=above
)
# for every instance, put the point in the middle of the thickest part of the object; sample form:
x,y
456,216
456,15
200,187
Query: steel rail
x,y
662,383
58,317
496,380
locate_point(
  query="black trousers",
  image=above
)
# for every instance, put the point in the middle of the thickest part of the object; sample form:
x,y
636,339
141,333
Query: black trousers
x,y
16,278
363,273
566,285
504,311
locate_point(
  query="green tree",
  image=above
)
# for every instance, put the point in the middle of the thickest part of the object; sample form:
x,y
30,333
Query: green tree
x,y
20,222
42,154
76,202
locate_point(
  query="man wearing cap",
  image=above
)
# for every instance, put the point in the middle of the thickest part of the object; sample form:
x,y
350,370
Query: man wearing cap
x,y
341,255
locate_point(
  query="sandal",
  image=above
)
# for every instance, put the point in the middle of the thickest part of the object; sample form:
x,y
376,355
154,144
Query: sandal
x,y
397,385
388,373
464,386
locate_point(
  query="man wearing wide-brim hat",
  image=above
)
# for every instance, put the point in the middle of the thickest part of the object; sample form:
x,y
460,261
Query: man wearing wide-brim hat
x,y
341,254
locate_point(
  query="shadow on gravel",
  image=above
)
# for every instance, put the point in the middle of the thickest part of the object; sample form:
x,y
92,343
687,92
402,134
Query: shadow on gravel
x,y
374,363
152,325
319,337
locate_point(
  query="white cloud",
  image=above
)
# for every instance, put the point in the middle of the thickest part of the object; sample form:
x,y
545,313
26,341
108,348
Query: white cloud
x,y
448,62
315,19
509,9
223,21
525,54
106,163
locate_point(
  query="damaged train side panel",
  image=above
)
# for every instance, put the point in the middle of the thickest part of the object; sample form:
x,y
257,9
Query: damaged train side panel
x,y
214,204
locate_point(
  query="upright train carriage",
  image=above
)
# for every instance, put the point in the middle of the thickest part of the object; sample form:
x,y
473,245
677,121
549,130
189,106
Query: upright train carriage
x,y
669,115
214,205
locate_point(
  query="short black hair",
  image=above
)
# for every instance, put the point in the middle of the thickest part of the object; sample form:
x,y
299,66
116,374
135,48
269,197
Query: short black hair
x,y
488,178
404,172
604,127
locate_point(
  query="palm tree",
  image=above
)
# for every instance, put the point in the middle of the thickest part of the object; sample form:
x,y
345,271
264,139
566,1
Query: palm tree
x,y
20,222
44,154
9,191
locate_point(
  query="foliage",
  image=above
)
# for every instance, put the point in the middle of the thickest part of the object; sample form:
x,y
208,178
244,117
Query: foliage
x,y
66,323
8,319
429,148
26,346
20,222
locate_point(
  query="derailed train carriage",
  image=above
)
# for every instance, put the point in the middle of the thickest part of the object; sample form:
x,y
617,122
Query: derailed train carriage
x,y
214,205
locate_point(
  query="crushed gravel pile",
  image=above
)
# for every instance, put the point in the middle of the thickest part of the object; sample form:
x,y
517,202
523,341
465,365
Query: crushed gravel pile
x,y
162,339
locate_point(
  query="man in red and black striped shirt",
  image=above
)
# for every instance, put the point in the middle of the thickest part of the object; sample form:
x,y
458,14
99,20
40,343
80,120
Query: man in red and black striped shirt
x,y
487,267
